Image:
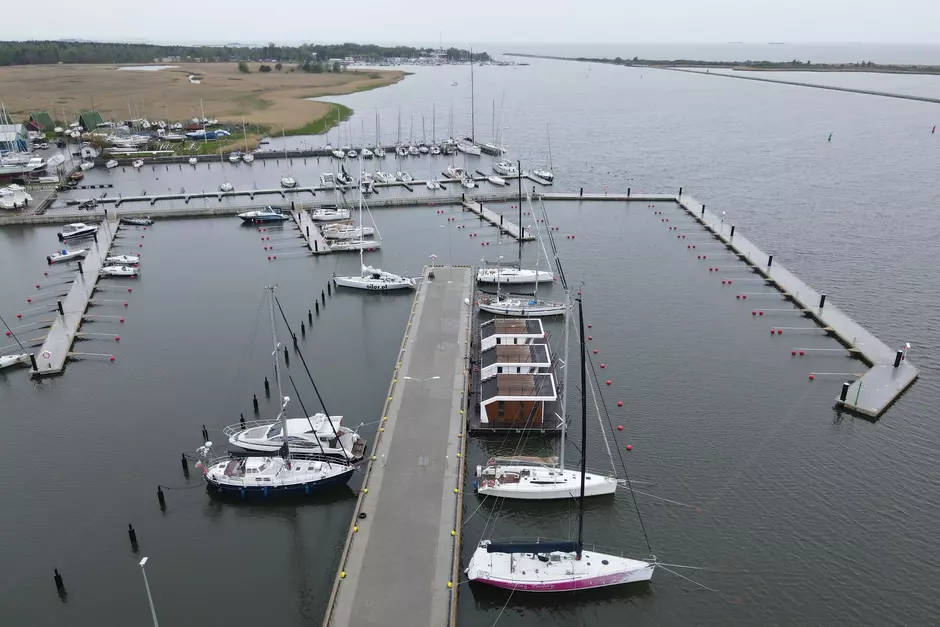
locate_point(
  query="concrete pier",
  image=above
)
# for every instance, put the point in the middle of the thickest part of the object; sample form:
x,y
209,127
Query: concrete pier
x,y
311,233
889,376
55,349
400,563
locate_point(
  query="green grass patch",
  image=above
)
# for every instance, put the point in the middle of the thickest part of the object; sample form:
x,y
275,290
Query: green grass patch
x,y
325,123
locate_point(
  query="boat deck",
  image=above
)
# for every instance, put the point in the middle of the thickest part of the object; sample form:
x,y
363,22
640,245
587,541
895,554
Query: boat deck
x,y
55,349
875,390
400,555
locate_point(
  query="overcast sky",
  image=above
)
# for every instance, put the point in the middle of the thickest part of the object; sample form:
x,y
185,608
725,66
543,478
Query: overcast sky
x,y
486,21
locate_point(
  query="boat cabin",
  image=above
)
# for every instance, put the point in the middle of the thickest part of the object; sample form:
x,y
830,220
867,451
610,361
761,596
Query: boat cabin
x,y
514,359
516,401
510,331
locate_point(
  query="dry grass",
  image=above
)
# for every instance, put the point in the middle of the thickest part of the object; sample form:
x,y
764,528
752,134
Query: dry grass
x,y
272,99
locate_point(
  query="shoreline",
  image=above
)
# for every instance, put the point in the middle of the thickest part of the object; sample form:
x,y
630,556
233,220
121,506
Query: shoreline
x,y
749,66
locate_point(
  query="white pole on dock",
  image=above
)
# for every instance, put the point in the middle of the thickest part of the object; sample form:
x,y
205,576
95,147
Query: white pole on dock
x,y
153,612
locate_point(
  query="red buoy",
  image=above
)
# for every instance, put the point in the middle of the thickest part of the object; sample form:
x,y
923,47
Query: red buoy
x,y
609,381
19,315
590,337
737,296
629,447
754,313
595,351
8,333
793,352
619,403
130,289
125,304
779,331
121,320
29,300
117,338
744,296
723,281
590,326
619,427
802,353
111,358
812,377
760,313
773,331
603,365
37,286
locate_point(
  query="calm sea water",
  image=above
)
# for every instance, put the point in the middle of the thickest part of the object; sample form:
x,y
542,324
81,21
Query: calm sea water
x,y
797,513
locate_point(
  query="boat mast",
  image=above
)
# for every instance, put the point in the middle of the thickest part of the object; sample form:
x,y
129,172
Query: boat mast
x,y
472,119
519,174
245,134
583,427
277,372
433,122
362,264
377,141
548,130
564,385
399,125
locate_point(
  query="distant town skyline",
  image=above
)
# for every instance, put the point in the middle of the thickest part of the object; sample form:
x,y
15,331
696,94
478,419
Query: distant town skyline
x,y
486,22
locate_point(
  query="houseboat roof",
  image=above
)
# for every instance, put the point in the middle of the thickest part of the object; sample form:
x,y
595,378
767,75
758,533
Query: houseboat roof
x,y
516,354
519,385
512,326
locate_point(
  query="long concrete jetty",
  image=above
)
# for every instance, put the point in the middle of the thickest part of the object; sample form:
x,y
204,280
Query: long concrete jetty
x,y
516,231
400,561
867,92
890,373
55,349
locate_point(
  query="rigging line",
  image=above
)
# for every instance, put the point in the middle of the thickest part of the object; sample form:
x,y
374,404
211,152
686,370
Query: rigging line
x,y
509,598
701,585
300,400
623,464
12,334
189,487
310,376
659,498
474,511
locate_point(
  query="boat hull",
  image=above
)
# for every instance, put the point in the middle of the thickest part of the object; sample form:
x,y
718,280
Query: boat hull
x,y
258,491
259,219
487,275
569,487
362,283
516,310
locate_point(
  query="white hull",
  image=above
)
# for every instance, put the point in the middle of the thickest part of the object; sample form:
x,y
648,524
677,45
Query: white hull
x,y
538,483
469,149
119,271
122,259
505,168
346,244
67,255
11,360
350,233
545,175
495,180
522,308
555,571
373,285
247,158
513,276
288,182
267,436
329,215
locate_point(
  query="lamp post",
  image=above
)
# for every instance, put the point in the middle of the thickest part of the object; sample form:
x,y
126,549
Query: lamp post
x,y
153,612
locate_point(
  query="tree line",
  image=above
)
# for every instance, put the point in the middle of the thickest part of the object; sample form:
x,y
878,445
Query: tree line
x,y
51,52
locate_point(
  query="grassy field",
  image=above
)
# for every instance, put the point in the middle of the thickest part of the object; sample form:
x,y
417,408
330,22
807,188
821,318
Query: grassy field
x,y
272,100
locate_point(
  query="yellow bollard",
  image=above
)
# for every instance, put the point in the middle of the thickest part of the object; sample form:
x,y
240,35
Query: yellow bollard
x,y
373,458
458,454
453,532
365,490
450,584
342,574
456,491
355,528
381,429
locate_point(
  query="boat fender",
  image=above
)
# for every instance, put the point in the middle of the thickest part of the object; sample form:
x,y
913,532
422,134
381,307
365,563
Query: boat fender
x,y
242,492
490,483
306,489
265,491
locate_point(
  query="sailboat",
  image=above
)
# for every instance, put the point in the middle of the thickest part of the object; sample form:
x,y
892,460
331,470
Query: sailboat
x,y
501,275
226,186
247,157
366,152
435,149
379,150
524,306
371,278
271,475
539,565
546,174
287,181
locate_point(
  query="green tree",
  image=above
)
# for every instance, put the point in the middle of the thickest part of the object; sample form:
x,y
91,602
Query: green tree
x,y
278,66
264,68
243,67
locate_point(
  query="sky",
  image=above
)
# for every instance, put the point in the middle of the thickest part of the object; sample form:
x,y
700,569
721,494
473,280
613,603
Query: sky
x,y
480,22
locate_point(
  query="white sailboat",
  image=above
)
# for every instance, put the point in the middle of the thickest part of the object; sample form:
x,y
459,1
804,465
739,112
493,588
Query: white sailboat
x,y
510,275
247,157
546,174
287,182
372,279
326,214
225,186
538,565
284,473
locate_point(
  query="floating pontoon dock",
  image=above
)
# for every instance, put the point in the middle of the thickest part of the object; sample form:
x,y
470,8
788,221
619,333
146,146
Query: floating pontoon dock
x,y
399,565
55,349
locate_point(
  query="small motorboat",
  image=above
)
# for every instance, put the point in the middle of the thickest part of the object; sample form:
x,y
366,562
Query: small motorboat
x,y
268,214
235,157
379,152
413,151
544,174
339,154
367,154
383,177
137,163
11,360
77,230
288,182
316,435
87,165
111,164
423,149
433,184
467,182
66,255
404,177
142,221
193,161
435,150
226,187
76,176
496,180
454,172
120,271
352,154
122,260
248,157
329,215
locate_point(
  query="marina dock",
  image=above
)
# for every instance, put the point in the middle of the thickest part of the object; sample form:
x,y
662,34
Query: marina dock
x,y
890,373
506,226
399,565
311,233
55,349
